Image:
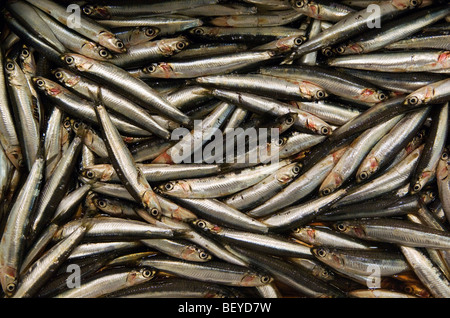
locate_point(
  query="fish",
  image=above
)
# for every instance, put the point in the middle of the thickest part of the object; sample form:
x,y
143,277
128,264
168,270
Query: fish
x,y
240,149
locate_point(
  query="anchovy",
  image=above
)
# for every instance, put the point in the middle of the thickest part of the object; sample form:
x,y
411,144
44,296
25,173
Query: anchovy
x,y
406,233
271,244
212,271
352,24
86,27
131,9
109,281
126,84
206,66
393,31
433,147
134,113
13,243
299,188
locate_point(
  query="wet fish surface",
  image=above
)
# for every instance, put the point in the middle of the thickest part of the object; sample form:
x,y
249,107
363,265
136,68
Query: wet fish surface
x,y
225,149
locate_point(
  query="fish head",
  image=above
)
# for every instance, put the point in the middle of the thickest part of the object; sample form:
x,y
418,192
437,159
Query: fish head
x,y
303,6
328,256
8,280
289,172
207,226
420,96
110,41
172,46
177,188
331,183
306,234
311,90
140,275
107,205
96,12
100,172
256,279
370,95
350,228
47,86
406,4
367,169
159,70
419,183
13,72
77,61
351,48
95,51
288,43
66,77
27,60
195,254
443,167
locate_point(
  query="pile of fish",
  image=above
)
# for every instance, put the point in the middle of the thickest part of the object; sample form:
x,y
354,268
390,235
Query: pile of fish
x,y
114,181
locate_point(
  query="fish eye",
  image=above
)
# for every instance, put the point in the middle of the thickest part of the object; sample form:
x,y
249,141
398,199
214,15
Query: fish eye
x,y
289,120
11,287
59,75
40,82
265,279
432,195
421,135
154,212
201,224
298,41
150,69
382,96
279,142
146,273
296,169
198,31
66,124
324,273
321,252
149,32
408,289
69,60
417,187
90,174
299,4
103,53
76,125
413,100
203,255
363,175
327,52
25,53
414,3
168,186
320,94
341,227
180,45
87,10
340,50
102,203
444,155
120,44
324,130
10,66
326,191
